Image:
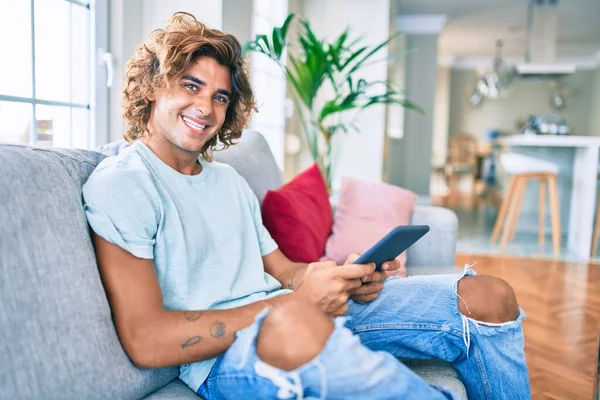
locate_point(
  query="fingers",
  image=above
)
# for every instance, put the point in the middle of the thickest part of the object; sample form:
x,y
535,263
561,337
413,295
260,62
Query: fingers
x,y
374,277
341,310
391,265
366,289
356,271
352,284
367,292
339,306
351,258
322,264
365,298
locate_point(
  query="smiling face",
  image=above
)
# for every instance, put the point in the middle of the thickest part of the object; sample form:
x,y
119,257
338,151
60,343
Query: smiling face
x,y
192,110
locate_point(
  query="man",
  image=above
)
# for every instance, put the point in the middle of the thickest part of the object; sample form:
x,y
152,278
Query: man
x,y
195,280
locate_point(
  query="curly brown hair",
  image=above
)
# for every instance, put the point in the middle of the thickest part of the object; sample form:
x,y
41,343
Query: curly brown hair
x,y
165,57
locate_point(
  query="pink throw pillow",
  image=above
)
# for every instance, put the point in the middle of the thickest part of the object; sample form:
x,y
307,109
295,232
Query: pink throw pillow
x,y
366,212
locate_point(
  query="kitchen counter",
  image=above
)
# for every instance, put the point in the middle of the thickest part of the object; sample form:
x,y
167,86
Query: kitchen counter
x,y
583,188
552,141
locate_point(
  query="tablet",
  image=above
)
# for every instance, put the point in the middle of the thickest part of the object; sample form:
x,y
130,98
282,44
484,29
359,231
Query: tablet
x,y
392,245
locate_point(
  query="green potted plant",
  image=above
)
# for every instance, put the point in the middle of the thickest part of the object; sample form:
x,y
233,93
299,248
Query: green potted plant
x,y
337,65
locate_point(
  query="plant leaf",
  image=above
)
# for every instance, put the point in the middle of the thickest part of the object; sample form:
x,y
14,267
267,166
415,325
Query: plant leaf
x,y
247,47
352,57
317,61
373,51
278,42
396,56
263,41
339,43
286,26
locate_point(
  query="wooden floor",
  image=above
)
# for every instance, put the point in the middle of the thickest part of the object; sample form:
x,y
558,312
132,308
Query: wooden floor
x,y
562,303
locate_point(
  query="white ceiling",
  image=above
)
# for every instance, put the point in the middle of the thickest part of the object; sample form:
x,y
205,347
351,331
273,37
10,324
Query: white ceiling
x,y
474,26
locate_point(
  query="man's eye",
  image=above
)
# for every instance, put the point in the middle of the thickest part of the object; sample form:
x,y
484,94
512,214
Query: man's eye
x,y
221,99
190,86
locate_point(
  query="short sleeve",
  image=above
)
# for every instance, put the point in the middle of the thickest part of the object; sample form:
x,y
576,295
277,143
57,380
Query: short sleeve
x,y
266,242
121,206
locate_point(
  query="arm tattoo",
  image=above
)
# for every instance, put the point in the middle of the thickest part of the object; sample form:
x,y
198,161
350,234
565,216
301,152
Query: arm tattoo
x,y
191,341
218,329
192,315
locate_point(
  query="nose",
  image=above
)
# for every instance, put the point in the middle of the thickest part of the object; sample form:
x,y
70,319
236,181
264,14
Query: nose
x,y
204,104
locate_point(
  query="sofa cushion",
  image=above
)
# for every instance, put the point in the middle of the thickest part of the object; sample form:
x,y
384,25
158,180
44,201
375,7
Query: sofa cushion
x,y
57,338
175,390
252,158
367,211
113,148
299,216
438,373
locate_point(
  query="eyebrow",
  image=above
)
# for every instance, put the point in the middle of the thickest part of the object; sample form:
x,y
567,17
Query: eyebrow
x,y
200,82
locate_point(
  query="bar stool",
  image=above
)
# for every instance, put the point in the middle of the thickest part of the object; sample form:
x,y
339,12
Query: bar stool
x,y
523,169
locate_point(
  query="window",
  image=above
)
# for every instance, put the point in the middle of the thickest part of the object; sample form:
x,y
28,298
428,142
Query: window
x,y
47,77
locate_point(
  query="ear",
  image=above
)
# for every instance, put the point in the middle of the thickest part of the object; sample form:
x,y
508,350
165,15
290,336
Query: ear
x,y
151,97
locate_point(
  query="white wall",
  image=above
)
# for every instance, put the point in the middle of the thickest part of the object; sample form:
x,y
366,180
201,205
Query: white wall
x,y
595,105
394,124
125,36
130,23
362,156
397,76
409,162
268,80
441,116
237,18
157,12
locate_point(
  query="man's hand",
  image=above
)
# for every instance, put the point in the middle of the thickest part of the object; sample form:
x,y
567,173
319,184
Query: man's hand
x,y
329,286
372,283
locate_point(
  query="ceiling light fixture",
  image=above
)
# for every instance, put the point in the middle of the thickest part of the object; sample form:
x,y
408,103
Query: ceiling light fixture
x,y
495,83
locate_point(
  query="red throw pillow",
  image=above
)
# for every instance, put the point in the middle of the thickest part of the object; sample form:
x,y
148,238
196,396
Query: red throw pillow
x,y
299,216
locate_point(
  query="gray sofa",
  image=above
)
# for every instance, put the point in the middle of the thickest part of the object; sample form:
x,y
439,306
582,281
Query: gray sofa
x,y
57,339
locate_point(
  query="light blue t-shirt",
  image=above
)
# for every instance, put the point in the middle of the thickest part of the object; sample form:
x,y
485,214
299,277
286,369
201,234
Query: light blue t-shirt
x,y
203,232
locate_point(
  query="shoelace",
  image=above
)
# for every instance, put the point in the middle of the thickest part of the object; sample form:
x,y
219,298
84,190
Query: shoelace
x,y
466,333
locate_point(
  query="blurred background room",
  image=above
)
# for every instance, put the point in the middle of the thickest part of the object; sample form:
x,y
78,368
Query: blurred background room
x,y
487,77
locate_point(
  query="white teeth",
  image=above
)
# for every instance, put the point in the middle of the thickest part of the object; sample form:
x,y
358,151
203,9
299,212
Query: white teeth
x,y
192,124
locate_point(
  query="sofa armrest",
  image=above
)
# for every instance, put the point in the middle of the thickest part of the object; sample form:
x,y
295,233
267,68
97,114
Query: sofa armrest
x,y
438,246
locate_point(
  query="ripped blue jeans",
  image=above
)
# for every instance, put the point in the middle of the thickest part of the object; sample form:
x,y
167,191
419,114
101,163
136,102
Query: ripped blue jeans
x,y
413,318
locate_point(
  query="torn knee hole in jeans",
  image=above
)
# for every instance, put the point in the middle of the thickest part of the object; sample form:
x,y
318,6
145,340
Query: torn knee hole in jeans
x,y
497,327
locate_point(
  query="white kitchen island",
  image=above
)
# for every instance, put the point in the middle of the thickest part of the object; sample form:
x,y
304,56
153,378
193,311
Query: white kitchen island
x,y
583,190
